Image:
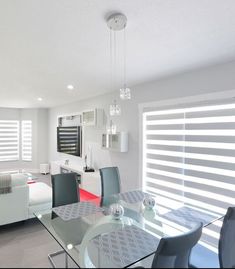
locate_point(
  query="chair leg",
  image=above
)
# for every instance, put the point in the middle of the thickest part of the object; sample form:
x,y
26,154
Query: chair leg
x,y
50,257
66,261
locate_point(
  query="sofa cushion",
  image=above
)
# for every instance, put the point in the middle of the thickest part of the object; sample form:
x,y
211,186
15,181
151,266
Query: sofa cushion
x,y
39,193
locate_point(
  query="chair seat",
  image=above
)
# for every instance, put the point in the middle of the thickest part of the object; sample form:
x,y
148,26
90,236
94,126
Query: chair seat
x,y
202,257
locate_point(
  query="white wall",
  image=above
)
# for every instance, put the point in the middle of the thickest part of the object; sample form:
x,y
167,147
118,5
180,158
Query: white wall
x,y
42,138
212,79
39,119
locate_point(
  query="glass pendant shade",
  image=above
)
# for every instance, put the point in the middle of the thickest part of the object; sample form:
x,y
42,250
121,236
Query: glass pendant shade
x,y
115,109
108,130
114,129
125,93
111,128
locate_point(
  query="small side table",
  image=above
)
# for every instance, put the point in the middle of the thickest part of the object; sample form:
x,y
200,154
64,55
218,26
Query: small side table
x,y
44,168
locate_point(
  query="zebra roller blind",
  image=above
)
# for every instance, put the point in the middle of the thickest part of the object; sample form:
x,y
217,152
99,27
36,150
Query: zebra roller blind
x,y
189,157
9,140
26,138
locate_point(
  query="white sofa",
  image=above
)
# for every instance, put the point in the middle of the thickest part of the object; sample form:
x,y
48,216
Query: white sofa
x,y
24,200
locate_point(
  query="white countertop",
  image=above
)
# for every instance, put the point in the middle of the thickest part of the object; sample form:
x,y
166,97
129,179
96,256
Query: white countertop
x,y
78,169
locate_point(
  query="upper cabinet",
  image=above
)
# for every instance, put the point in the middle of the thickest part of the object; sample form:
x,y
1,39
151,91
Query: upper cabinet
x,y
74,119
115,142
93,117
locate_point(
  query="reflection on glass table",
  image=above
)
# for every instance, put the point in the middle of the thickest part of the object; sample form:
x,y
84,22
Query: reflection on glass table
x,y
94,238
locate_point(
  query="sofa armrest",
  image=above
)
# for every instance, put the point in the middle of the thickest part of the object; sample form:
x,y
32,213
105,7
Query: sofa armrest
x,y
18,180
14,205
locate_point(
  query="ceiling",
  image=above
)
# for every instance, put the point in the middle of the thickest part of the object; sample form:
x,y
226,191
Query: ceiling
x,y
47,44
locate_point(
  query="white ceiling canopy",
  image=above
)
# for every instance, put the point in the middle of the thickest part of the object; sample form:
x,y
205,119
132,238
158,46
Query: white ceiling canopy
x,y
47,45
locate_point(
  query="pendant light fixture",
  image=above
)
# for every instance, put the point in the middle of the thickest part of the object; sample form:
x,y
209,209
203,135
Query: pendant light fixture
x,y
125,92
111,128
117,22
115,109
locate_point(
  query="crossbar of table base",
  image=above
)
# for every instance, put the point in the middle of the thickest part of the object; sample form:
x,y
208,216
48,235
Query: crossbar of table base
x,y
50,257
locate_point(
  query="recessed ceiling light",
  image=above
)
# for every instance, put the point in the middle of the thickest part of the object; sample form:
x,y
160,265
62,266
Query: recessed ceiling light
x,y
70,87
40,99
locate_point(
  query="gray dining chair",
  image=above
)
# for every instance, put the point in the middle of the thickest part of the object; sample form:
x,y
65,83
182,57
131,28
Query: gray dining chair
x,y
65,191
110,183
202,257
174,252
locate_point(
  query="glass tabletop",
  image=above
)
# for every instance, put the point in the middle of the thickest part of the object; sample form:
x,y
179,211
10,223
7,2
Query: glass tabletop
x,y
93,237
30,176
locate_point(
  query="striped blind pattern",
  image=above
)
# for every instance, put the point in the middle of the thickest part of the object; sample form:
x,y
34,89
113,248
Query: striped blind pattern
x,y
9,140
26,140
189,158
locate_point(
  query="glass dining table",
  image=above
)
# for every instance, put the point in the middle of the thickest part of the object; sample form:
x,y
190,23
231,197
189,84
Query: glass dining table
x,y
92,236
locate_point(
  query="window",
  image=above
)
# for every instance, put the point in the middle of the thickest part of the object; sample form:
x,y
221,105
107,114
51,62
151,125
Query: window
x,y
9,140
26,143
189,158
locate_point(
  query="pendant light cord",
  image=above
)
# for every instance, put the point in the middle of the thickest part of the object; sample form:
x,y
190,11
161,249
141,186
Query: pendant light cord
x,y
111,59
124,48
115,60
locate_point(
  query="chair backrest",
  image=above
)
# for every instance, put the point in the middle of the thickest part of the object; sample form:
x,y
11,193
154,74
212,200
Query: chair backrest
x,y
64,189
174,252
110,183
227,240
